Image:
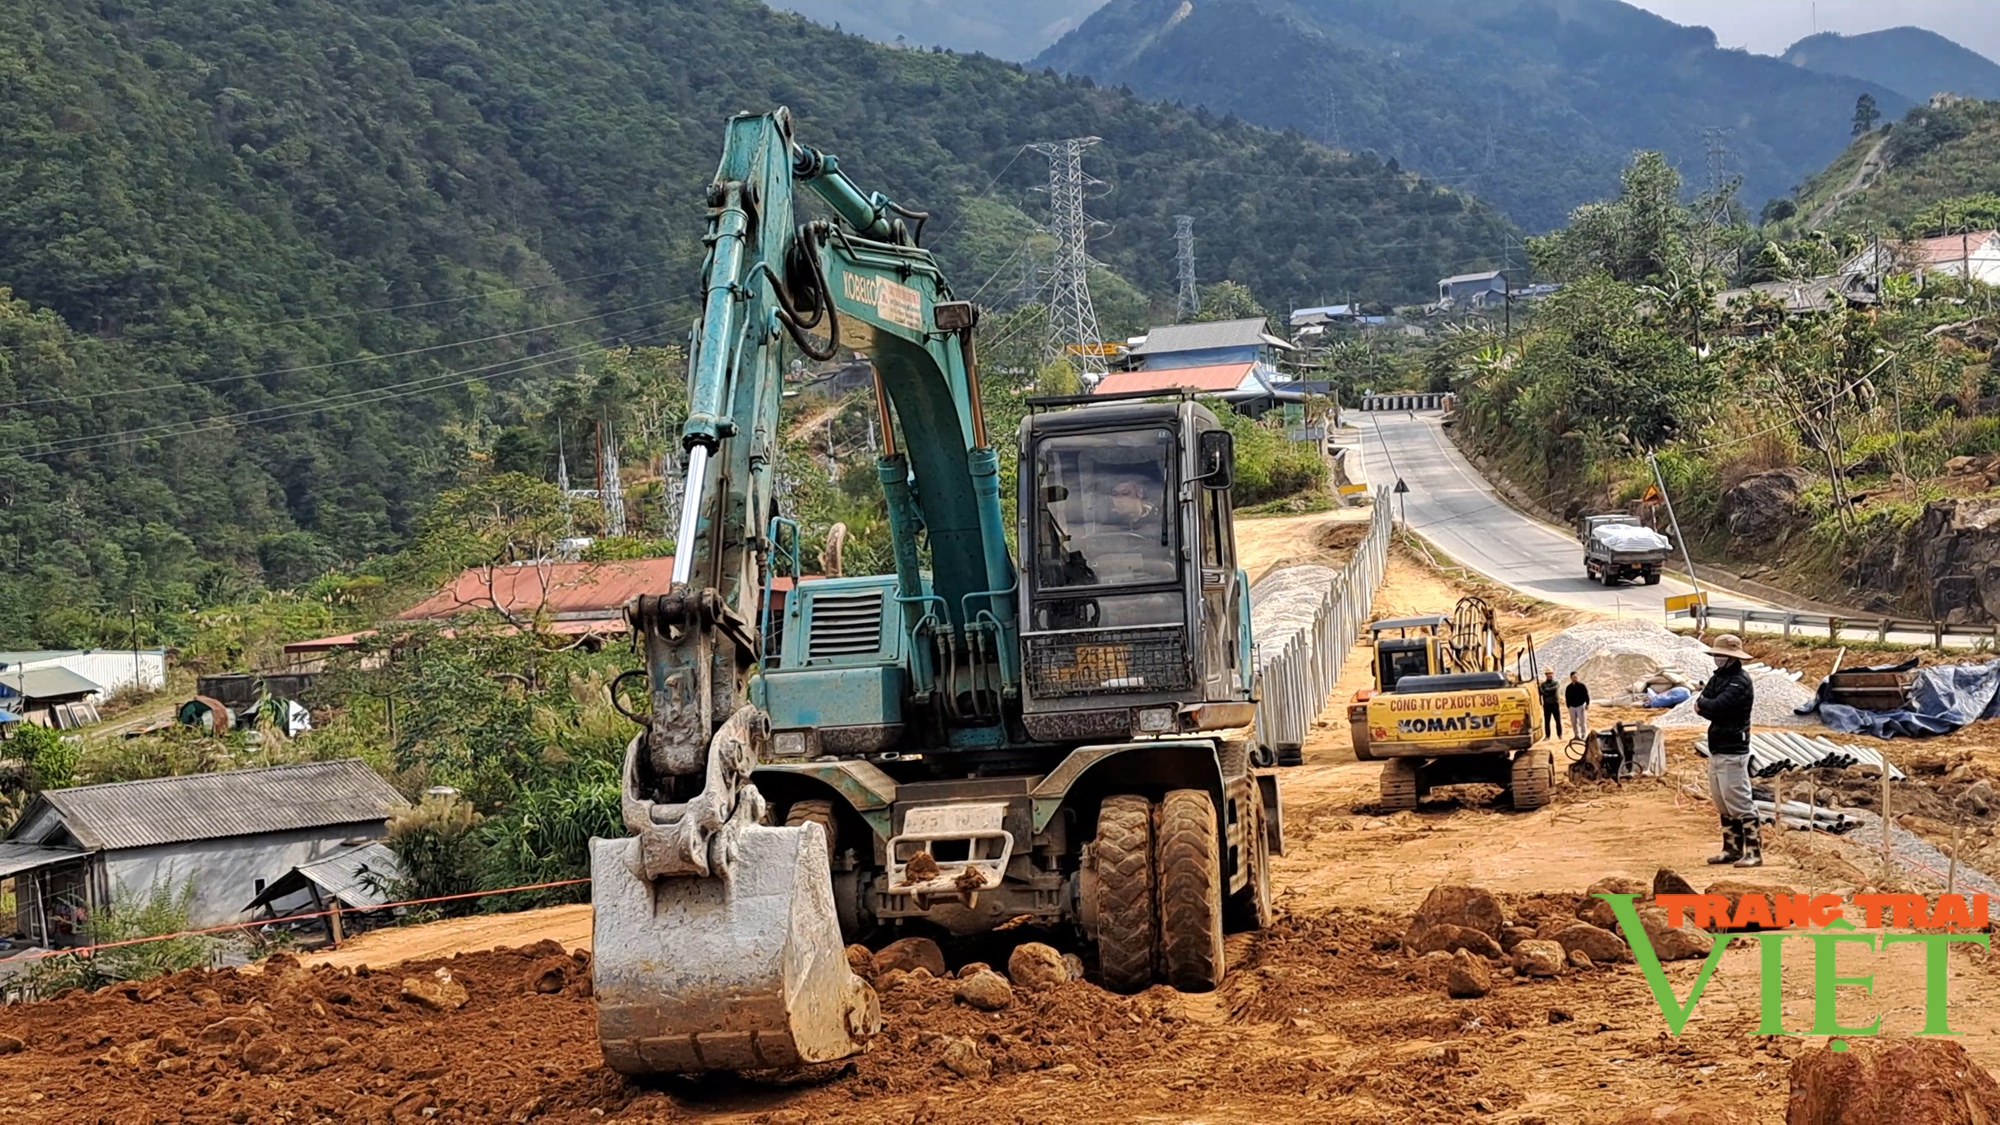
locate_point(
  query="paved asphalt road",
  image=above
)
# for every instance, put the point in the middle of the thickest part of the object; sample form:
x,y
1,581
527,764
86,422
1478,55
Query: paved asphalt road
x,y
1454,508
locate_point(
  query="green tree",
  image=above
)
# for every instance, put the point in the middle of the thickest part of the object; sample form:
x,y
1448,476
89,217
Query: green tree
x,y
1228,300
1866,115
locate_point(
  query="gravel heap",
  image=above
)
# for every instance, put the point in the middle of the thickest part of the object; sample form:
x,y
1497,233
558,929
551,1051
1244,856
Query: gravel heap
x,y
1778,695
1777,703
1283,602
1566,651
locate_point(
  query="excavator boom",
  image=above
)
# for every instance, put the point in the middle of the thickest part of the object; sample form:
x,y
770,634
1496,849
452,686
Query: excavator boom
x,y
717,943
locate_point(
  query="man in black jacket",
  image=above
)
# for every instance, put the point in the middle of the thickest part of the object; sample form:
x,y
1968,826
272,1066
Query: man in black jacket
x,y
1552,723
1726,704
1577,698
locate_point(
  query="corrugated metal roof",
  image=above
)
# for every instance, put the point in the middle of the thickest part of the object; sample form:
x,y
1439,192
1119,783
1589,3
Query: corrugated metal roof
x,y
1217,377
36,656
351,875
45,683
16,858
1201,337
559,588
209,806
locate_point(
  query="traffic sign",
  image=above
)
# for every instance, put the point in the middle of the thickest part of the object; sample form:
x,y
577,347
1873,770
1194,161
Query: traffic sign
x,y
1401,487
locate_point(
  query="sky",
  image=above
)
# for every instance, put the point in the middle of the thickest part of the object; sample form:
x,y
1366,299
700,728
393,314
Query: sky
x,y
1769,26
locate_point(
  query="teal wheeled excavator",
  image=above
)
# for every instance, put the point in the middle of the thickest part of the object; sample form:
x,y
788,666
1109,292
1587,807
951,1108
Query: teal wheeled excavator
x,y
966,742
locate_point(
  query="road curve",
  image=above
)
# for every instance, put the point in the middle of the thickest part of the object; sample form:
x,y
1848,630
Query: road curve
x,y
1455,509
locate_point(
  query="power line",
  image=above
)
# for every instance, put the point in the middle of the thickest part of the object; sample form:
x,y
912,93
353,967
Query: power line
x,y
967,205
280,411
145,334
87,395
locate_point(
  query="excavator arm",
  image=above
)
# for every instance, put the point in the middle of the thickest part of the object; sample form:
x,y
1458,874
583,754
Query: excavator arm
x,y
717,945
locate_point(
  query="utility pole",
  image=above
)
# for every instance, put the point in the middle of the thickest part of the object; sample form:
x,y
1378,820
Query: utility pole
x,y
1687,556
1189,301
137,685
1073,329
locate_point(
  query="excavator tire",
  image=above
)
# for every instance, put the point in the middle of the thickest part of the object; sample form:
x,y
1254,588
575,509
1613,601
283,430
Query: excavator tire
x,y
816,812
1399,784
1530,779
1191,891
1127,935
1250,908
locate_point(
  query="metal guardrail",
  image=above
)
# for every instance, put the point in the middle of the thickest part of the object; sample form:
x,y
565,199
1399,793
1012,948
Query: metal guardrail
x,y
1294,684
1407,400
1883,629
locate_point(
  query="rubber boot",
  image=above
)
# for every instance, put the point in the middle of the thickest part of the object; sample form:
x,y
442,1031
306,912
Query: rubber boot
x,y
1732,844
1753,846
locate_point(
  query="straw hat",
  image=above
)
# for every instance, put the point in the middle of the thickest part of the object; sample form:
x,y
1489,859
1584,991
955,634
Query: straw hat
x,y
1731,645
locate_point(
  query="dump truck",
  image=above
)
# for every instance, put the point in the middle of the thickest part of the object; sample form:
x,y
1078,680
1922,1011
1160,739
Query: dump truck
x,y
1617,548
973,740
1445,711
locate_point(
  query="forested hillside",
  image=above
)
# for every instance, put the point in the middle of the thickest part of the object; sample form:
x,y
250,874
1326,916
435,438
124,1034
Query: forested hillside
x,y
1011,29
1534,105
1906,176
1909,60
281,271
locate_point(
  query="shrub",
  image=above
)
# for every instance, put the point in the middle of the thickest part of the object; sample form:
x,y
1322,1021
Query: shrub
x,y
436,843
162,911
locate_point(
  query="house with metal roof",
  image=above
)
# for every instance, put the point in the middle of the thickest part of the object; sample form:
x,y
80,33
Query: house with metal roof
x,y
73,852
111,669
1235,360
1473,290
49,695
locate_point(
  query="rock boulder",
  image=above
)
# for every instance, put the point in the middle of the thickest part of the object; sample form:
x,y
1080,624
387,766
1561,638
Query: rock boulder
x,y
1765,506
1538,958
1956,548
1470,977
1448,938
910,954
1471,908
1600,945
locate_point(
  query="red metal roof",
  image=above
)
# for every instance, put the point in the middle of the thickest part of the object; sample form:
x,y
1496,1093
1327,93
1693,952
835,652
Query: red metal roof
x,y
1953,247
561,589
1215,377
575,598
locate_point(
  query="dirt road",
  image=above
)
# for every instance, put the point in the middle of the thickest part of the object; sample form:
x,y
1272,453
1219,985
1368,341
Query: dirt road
x,y
1324,1018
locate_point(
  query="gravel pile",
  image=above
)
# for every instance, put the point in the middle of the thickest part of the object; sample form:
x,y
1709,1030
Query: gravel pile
x,y
1283,603
1777,703
1566,651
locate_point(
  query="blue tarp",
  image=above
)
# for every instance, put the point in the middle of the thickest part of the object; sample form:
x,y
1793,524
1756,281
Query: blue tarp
x,y
1942,699
9,717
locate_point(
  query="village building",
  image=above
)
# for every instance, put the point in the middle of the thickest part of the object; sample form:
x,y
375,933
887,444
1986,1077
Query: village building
x,y
1234,360
74,852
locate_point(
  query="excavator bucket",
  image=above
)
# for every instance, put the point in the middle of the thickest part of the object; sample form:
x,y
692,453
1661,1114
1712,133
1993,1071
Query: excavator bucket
x,y
740,970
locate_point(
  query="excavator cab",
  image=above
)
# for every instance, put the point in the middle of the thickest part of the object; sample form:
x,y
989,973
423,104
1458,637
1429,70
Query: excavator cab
x,y
1133,611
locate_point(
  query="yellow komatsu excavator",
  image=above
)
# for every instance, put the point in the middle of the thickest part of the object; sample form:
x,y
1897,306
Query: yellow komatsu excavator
x,y
1445,710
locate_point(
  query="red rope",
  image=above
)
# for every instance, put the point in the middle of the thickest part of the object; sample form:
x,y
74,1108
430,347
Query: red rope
x,y
80,950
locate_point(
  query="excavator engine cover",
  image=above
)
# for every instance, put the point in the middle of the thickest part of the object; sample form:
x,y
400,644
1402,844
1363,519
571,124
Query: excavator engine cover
x,y
744,971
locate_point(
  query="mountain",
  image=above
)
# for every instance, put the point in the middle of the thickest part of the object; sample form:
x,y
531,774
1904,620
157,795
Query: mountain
x,y
1890,178
271,275
1534,105
1007,29
1914,62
